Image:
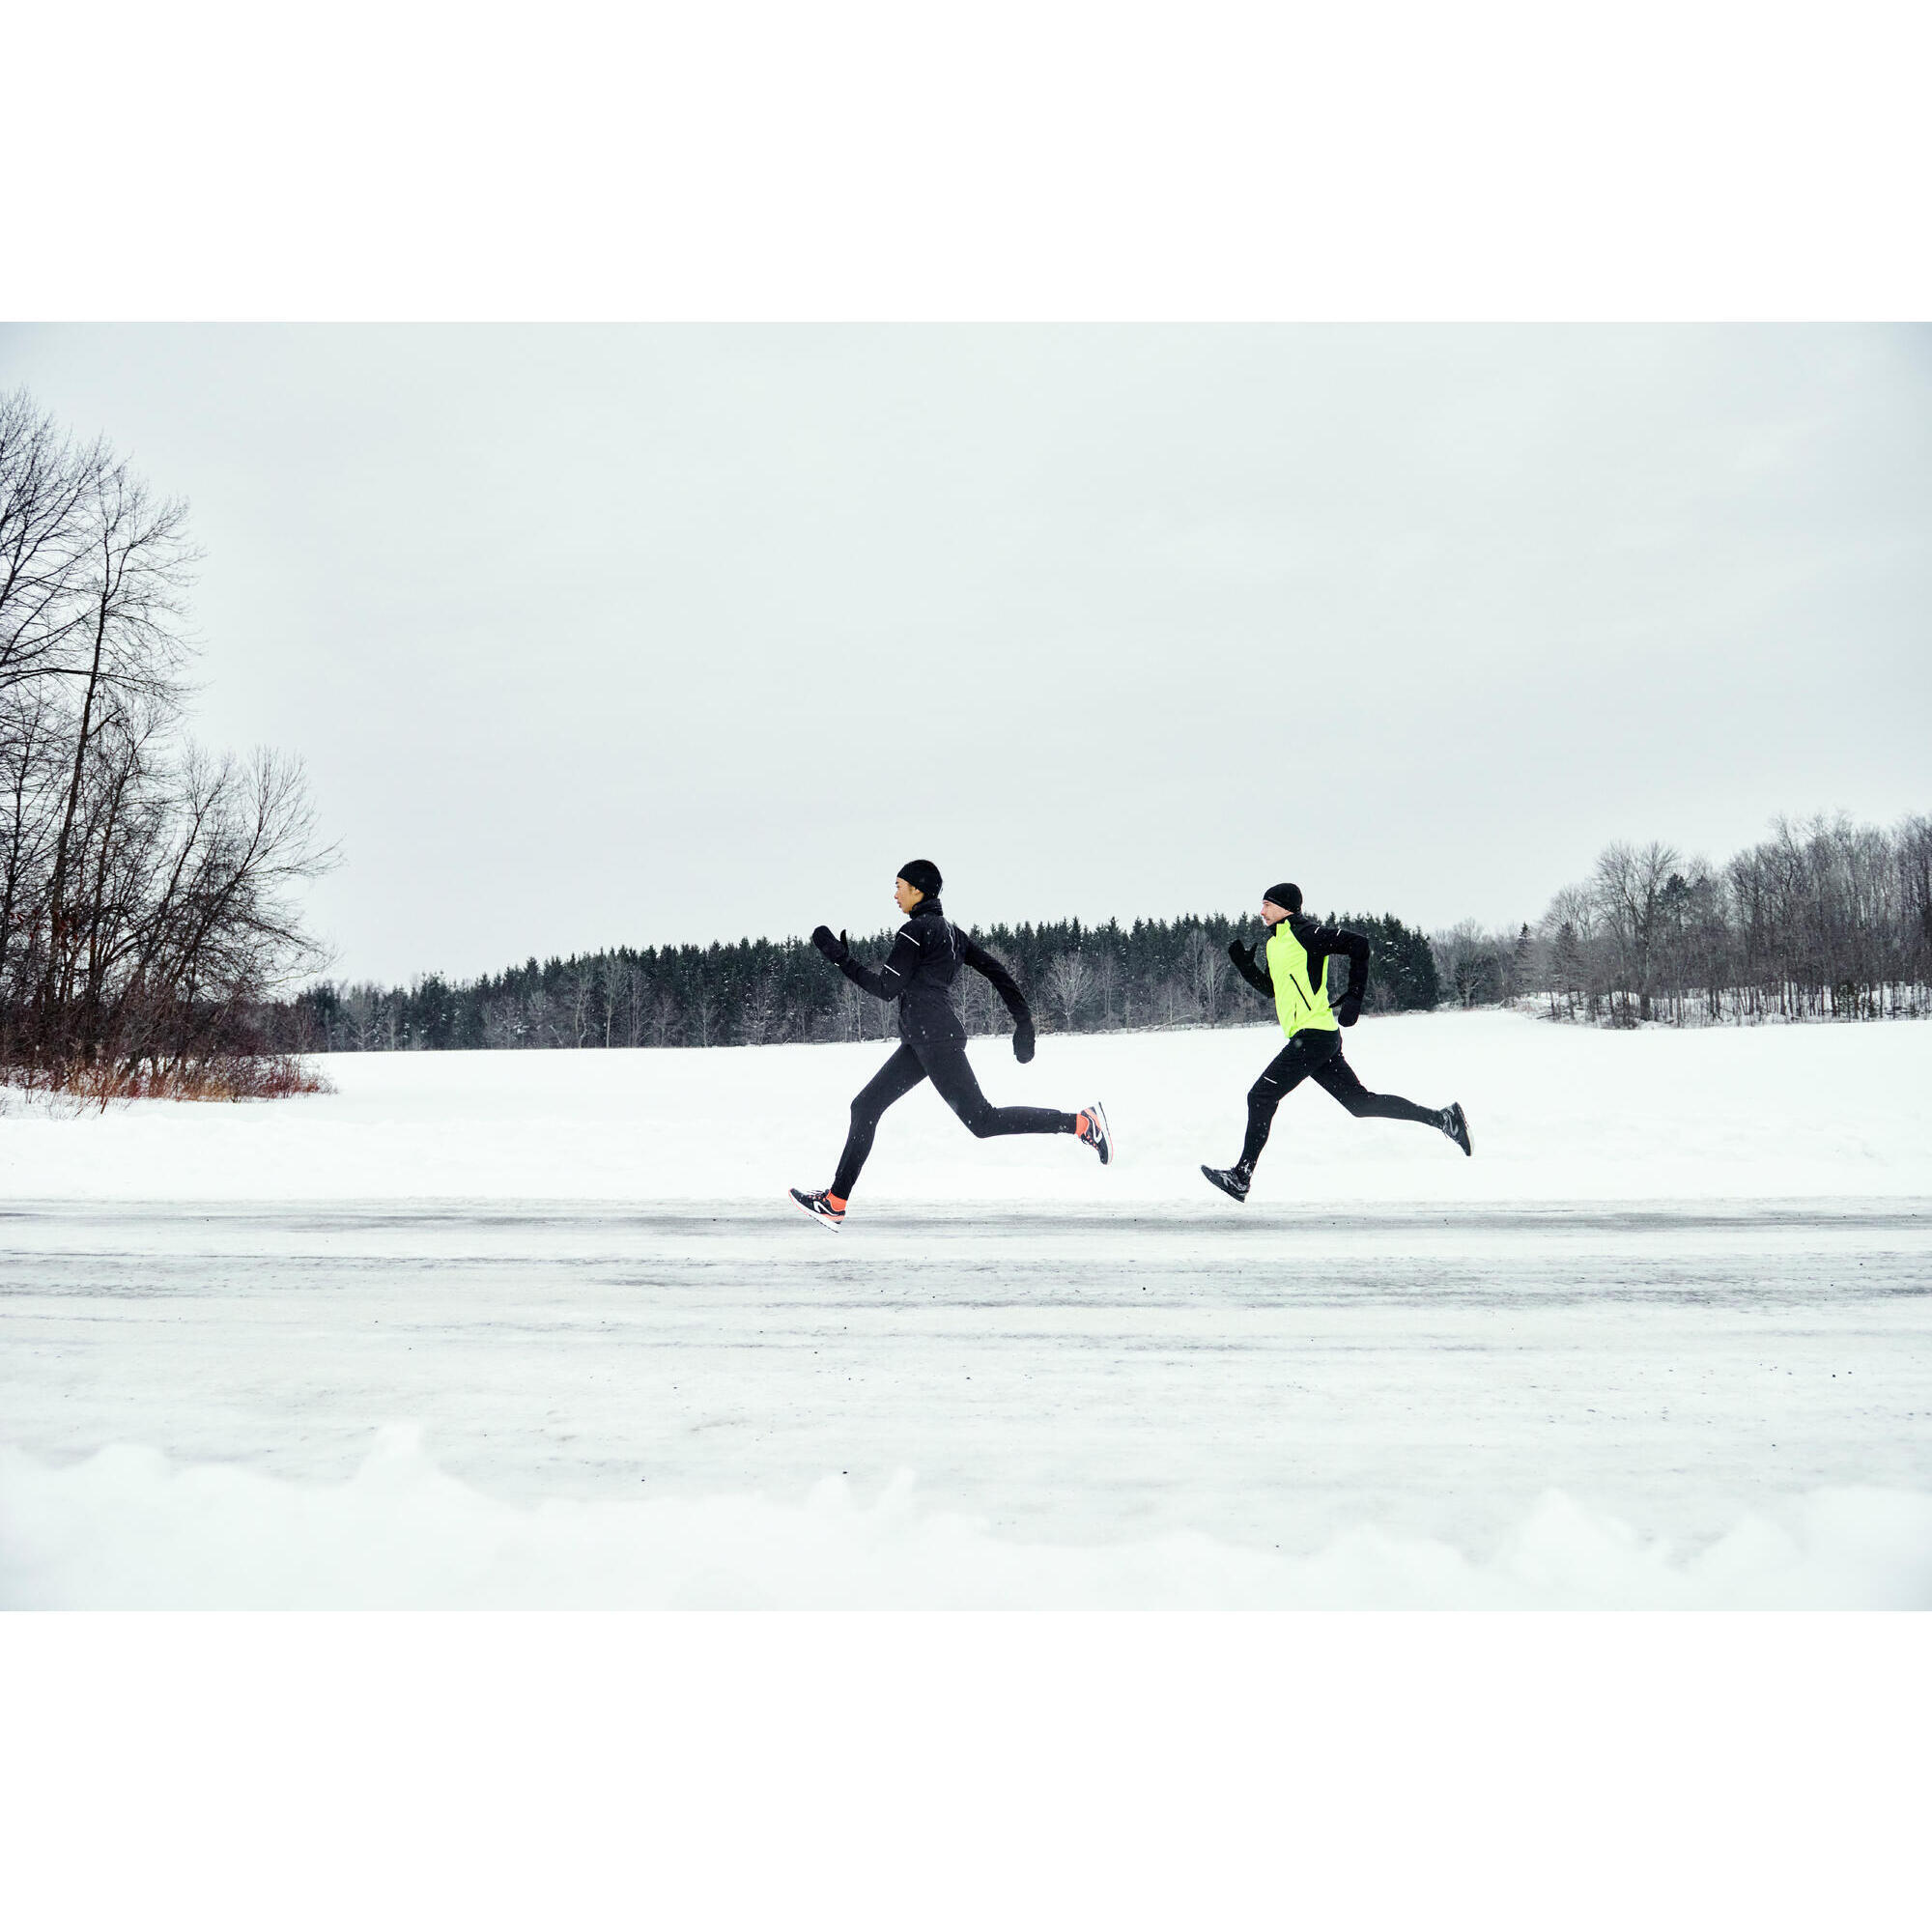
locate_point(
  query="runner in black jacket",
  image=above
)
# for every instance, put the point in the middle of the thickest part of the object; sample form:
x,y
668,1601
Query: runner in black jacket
x,y
1299,949
926,955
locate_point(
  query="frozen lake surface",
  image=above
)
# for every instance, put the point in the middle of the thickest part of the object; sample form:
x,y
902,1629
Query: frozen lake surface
x,y
1094,1390
1066,1378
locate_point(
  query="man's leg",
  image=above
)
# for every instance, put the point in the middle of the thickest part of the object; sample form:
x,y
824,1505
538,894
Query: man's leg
x,y
1340,1080
896,1079
1305,1054
952,1073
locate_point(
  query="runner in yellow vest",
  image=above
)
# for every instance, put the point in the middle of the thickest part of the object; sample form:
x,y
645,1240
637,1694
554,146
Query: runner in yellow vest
x,y
1295,971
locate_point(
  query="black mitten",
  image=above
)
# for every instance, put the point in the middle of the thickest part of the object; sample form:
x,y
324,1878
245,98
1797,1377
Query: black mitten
x,y
1349,1011
1243,956
835,950
1023,1041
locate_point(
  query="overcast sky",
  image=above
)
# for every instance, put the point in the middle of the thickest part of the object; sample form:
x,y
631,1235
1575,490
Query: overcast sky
x,y
634,635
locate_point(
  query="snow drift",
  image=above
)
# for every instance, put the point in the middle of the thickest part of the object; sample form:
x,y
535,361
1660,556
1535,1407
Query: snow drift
x,y
127,1528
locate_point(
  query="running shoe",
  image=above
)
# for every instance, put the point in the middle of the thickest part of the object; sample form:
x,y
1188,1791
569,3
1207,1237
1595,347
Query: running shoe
x,y
1231,1180
1456,1126
1094,1132
819,1206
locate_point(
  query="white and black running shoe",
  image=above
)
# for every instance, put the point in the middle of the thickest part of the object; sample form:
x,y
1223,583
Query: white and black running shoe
x,y
1231,1180
1094,1132
819,1206
1455,1124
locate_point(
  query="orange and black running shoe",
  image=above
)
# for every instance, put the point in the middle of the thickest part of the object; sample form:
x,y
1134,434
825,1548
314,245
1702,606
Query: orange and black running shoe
x,y
821,1207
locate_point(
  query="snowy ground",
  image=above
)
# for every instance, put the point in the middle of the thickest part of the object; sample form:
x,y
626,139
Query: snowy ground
x,y
538,1328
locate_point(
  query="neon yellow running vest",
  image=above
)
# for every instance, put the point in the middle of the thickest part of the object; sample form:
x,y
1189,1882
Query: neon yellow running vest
x,y
1303,1008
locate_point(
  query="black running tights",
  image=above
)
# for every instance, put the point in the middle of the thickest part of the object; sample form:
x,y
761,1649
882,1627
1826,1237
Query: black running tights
x,y
1318,1056
944,1063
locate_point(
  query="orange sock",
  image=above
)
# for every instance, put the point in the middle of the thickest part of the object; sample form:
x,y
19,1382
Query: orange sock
x,y
832,1200
1080,1123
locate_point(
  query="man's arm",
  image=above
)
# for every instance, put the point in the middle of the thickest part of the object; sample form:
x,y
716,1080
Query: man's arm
x,y
1252,967
1007,987
1328,940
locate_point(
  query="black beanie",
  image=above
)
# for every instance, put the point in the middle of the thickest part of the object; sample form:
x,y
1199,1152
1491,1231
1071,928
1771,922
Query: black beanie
x,y
1284,896
922,877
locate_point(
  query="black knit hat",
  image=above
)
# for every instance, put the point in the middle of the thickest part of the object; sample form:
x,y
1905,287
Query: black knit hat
x,y
1284,896
922,877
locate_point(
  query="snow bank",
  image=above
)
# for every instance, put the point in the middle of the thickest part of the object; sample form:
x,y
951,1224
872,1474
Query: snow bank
x,y
125,1528
1559,1114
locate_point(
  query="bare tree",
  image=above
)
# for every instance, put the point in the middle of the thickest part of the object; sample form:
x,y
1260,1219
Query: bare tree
x,y
45,487
1176,1002
30,770
1207,969
1467,962
662,1017
1069,980
1629,887
578,993
129,651
610,995
362,1013
634,1003
504,1023
145,890
762,1012
540,1028
1106,985
703,1013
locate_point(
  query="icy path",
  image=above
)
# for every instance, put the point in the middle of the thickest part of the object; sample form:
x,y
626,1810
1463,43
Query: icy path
x,y
1270,1381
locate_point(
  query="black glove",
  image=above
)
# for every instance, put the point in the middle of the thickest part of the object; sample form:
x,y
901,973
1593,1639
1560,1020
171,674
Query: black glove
x,y
1243,956
1023,1041
835,950
1351,1009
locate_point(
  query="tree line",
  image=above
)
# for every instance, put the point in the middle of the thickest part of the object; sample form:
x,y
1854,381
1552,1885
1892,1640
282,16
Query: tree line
x,y
147,885
758,992
1823,920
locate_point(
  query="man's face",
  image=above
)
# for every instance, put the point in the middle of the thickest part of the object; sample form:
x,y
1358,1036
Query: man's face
x,y
1272,914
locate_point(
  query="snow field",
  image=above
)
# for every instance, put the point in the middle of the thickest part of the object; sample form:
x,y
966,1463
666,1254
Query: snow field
x,y
1559,1114
539,1330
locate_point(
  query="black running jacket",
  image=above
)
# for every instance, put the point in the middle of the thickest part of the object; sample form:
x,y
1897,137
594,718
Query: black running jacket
x,y
926,955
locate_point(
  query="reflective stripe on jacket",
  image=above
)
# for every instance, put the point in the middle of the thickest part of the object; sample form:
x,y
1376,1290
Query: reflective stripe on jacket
x,y
928,952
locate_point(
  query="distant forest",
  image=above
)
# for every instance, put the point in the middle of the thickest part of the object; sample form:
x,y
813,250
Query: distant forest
x,y
756,992
1825,920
